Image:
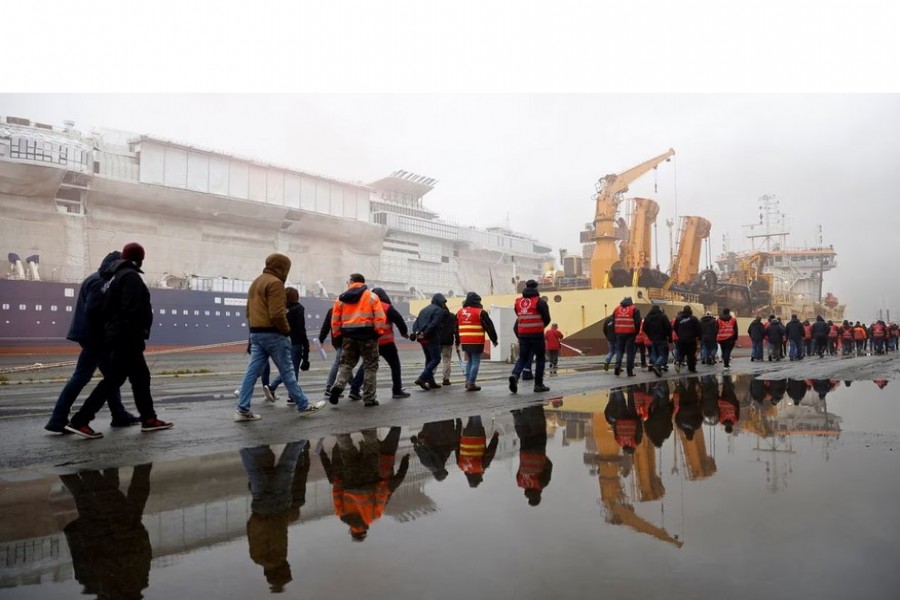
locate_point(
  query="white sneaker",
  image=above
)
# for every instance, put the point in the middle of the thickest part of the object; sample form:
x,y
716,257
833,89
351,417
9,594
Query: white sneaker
x,y
269,394
312,408
245,416
237,393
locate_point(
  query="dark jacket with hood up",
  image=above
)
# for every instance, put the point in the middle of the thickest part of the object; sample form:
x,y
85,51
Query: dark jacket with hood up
x,y
296,316
393,315
427,325
794,330
542,310
709,328
473,300
87,321
775,331
449,329
657,326
127,312
687,327
757,331
820,328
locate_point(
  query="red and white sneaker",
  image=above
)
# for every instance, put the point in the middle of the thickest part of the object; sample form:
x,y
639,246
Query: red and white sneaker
x,y
155,425
84,431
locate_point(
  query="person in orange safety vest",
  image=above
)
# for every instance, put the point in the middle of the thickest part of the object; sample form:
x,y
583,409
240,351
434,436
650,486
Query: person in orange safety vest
x,y
473,453
363,478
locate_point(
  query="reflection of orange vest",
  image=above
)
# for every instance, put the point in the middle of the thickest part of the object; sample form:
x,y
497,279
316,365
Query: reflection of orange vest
x,y
471,330
642,401
531,465
626,432
529,321
624,319
727,412
471,453
726,330
367,503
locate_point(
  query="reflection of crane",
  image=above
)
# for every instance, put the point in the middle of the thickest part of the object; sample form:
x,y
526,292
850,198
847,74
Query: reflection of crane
x,y
686,264
700,465
610,191
618,510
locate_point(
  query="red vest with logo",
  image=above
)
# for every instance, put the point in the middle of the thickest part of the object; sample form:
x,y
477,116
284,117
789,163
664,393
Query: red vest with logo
x,y
832,332
470,329
624,319
847,333
726,412
878,330
531,465
626,432
726,329
530,321
471,454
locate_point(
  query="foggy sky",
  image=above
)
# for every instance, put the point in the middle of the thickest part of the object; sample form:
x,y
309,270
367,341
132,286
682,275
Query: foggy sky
x,y
531,161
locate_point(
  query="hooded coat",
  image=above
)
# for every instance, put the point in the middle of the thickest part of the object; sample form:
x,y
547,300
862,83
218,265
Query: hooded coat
x,y
87,320
473,300
775,331
266,300
709,328
687,327
820,328
357,314
392,314
757,331
794,330
427,325
657,326
127,312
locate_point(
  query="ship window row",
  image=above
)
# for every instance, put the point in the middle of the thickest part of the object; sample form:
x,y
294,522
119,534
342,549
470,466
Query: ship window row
x,y
29,149
196,313
37,307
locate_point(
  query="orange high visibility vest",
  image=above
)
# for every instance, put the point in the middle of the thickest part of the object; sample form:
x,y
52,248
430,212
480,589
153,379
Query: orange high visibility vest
x,y
387,338
471,330
365,313
471,454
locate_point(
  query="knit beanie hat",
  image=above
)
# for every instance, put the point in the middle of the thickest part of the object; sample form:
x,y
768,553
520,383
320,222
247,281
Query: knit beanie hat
x,y
531,283
133,252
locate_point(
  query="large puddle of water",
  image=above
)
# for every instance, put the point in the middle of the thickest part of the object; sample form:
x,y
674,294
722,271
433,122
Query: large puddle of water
x,y
637,492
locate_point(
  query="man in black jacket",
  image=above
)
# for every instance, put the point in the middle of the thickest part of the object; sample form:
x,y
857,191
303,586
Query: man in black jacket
x,y
757,333
687,328
426,329
87,330
658,330
819,332
794,332
128,318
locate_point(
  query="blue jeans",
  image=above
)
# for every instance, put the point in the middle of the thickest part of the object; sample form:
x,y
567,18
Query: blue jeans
x,y
795,352
756,351
611,344
91,357
708,351
660,353
432,352
270,482
264,346
296,358
472,366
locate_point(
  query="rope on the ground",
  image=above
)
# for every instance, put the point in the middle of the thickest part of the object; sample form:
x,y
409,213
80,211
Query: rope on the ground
x,y
70,363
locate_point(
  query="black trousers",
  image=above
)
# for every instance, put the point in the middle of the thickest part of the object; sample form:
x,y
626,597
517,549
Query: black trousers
x,y
126,361
688,352
727,346
389,353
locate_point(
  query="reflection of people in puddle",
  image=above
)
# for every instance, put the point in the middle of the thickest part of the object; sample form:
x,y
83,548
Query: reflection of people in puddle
x,y
363,478
688,417
777,389
658,425
823,386
278,492
535,469
881,383
709,398
474,454
643,400
434,445
729,408
621,413
758,390
796,390
109,545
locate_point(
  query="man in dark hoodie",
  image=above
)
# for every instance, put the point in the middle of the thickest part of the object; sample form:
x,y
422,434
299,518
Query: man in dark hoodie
x,y
709,329
387,349
659,331
775,337
687,328
726,335
757,333
296,316
532,317
426,329
87,330
358,318
819,332
472,323
794,332
128,318
627,324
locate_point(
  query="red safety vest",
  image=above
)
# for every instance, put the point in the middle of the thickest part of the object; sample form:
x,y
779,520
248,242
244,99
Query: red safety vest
x,y
530,321
807,332
674,335
877,330
726,412
471,330
847,333
641,336
726,329
531,465
626,432
471,454
832,332
624,319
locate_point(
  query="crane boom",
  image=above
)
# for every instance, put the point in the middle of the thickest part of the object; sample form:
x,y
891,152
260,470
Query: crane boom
x,y
611,189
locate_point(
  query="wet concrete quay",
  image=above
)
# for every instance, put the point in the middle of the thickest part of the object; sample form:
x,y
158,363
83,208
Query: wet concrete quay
x,y
450,494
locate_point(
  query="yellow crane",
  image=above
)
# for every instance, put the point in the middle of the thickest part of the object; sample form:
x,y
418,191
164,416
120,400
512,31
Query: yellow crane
x,y
686,262
610,193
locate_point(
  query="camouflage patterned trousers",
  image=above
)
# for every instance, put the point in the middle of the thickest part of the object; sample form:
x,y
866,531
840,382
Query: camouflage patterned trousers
x,y
352,351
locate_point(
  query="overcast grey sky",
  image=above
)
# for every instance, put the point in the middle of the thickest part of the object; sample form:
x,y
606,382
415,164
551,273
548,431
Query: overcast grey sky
x,y
533,159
